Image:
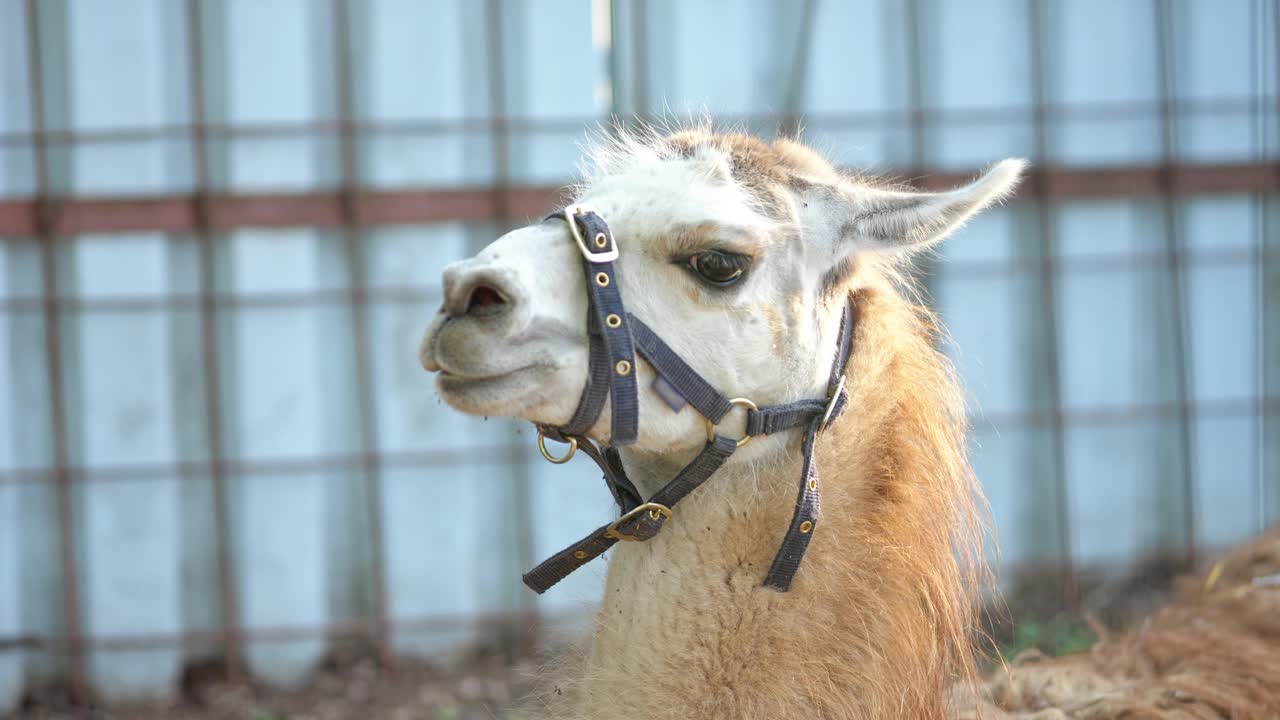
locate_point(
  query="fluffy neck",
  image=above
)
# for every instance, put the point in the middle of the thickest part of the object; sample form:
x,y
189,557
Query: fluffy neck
x,y
876,622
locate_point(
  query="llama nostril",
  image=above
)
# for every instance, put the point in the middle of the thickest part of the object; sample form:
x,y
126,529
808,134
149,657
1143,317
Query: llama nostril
x,y
485,300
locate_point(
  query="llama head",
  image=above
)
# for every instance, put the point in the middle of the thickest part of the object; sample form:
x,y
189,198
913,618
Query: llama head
x,y
737,252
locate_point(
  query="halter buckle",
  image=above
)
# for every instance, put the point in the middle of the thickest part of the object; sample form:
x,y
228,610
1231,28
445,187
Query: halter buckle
x,y
571,212
655,511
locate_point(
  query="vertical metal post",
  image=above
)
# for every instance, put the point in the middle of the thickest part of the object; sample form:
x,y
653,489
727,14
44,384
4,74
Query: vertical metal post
x,y
45,209
228,594
499,129
1049,302
915,85
927,264
640,59
1173,253
1266,257
793,95
353,236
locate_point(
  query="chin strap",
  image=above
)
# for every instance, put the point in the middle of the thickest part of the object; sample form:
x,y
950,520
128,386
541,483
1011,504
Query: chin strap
x,y
614,337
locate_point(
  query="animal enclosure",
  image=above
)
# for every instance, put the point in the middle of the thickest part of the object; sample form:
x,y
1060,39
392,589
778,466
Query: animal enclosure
x,y
222,224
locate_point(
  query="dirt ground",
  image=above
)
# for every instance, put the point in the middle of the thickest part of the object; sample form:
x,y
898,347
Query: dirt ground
x,y
1039,612
349,686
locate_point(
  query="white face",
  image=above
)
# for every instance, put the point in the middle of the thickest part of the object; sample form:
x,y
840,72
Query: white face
x,y
749,294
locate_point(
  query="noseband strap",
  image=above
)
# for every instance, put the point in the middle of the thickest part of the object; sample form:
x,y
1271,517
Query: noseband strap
x,y
614,338
612,373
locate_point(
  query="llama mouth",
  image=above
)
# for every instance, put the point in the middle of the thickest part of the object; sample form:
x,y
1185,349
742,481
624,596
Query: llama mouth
x,y
475,393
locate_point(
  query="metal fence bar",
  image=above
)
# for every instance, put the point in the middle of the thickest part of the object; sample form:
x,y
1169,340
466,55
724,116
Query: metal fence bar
x,y
836,120
394,295
1049,302
511,455
801,56
1174,243
354,244
80,690
523,520
228,595
1264,217
354,627
397,295
176,213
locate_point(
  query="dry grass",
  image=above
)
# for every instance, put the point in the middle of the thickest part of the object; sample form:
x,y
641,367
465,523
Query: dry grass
x,y
1213,653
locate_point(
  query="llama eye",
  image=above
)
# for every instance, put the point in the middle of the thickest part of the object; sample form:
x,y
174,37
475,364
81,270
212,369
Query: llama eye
x,y
719,268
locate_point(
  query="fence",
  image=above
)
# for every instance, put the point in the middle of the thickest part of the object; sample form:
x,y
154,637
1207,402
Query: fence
x,y
223,222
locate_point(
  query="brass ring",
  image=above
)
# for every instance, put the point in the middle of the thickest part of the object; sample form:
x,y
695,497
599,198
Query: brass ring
x,y
613,321
623,368
542,448
602,279
711,427
601,240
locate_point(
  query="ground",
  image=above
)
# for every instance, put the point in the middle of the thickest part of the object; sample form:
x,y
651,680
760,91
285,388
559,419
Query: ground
x,y
1038,612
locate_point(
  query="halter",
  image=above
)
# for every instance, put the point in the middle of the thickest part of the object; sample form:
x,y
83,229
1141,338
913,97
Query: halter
x,y
615,336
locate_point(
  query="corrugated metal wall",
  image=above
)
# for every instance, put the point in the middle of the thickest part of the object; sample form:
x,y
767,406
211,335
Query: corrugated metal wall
x,y
215,432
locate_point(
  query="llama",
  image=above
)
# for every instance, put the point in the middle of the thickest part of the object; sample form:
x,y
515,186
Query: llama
x,y
742,254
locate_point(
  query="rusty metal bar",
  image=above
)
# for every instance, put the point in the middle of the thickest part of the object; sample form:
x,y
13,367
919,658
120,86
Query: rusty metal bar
x,y
354,245
80,688
225,300
390,295
178,213
1049,303
228,594
1174,243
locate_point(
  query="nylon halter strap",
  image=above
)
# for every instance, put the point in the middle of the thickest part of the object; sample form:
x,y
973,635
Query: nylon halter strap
x,y
614,337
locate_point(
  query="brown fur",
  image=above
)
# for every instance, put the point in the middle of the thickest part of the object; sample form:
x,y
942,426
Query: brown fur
x,y
877,623
1214,653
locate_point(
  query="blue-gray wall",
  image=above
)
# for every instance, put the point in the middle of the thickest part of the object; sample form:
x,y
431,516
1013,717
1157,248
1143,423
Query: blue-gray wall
x,y
134,366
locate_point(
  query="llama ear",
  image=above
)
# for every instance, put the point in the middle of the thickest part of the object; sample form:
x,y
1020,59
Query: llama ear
x,y
889,220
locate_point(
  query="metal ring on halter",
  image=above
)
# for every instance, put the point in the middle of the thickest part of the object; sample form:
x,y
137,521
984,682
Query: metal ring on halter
x,y
542,448
711,427
831,404
593,257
